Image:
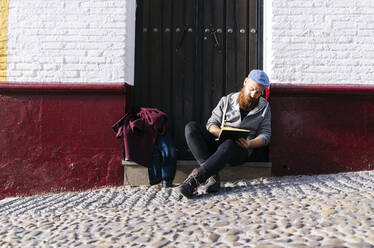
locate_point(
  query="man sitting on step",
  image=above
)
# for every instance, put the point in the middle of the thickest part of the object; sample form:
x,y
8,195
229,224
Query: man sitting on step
x,y
246,109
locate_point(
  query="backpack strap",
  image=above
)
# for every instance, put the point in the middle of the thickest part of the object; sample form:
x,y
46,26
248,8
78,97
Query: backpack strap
x,y
225,109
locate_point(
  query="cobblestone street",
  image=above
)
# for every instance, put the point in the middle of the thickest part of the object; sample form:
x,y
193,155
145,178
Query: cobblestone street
x,y
304,211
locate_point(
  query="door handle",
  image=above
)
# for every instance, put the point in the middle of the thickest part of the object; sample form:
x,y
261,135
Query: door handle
x,y
181,39
217,44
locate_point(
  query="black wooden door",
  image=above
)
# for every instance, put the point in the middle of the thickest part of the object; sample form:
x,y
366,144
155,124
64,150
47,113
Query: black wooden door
x,y
189,53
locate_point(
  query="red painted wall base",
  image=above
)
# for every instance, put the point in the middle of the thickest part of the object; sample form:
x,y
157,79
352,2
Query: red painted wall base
x,y
58,137
321,128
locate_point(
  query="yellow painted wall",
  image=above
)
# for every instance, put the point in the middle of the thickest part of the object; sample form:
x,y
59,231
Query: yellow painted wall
x,y
4,13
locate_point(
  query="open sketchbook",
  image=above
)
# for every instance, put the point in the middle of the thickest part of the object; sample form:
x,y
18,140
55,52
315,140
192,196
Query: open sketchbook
x,y
232,133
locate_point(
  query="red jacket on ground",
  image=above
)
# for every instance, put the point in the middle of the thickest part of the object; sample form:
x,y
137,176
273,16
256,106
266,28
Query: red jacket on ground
x,y
139,129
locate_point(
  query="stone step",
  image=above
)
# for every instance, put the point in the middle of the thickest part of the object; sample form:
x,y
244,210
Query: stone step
x,y
135,174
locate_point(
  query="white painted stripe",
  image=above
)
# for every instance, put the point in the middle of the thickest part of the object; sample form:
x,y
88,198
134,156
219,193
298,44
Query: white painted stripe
x,y
130,42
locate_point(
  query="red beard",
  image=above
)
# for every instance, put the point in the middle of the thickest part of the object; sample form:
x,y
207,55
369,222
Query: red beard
x,y
247,103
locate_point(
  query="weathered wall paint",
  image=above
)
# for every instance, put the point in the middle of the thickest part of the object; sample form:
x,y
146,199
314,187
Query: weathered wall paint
x,y
59,138
321,128
4,12
64,64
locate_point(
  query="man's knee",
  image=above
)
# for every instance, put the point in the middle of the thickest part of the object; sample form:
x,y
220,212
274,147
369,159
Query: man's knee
x,y
227,145
191,127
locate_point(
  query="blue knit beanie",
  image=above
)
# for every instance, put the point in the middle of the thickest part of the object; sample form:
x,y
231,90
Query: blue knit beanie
x,y
259,77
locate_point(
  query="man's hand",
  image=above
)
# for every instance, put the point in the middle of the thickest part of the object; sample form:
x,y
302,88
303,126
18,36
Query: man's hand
x,y
253,143
214,130
244,143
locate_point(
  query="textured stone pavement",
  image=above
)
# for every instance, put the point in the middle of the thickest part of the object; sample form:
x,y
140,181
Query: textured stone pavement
x,y
304,211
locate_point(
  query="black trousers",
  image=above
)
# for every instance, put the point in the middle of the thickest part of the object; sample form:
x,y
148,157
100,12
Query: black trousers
x,y
212,155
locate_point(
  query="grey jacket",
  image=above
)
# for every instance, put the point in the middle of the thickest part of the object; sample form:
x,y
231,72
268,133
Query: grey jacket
x,y
258,120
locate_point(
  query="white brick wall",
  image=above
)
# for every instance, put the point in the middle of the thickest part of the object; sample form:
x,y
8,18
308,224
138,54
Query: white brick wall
x,y
86,41
320,41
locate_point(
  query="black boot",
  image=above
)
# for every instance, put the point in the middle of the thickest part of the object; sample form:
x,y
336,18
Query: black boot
x,y
213,184
189,186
